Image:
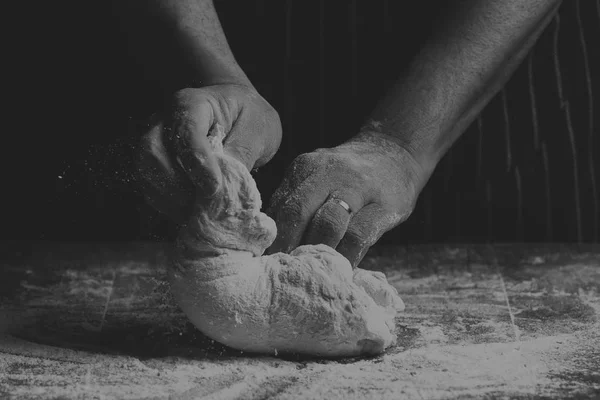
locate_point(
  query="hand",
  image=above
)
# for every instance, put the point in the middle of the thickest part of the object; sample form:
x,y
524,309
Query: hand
x,y
175,162
377,178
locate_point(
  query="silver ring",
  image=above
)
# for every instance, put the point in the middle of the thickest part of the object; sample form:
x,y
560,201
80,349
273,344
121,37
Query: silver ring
x,y
344,205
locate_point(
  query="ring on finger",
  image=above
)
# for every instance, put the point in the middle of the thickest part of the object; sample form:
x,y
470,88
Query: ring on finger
x,y
343,204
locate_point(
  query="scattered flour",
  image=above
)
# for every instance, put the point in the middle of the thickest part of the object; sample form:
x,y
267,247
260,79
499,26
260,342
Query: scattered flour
x,y
310,301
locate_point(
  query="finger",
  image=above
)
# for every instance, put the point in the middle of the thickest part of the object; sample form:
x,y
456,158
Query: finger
x,y
191,148
255,144
330,222
296,175
164,187
241,151
364,229
293,216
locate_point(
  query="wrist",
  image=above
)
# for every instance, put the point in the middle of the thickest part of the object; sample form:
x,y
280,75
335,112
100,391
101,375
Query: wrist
x,y
206,65
419,148
213,69
414,166
419,113
200,45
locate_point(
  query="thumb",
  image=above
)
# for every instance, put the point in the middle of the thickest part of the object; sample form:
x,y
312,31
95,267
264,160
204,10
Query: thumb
x,y
192,150
242,152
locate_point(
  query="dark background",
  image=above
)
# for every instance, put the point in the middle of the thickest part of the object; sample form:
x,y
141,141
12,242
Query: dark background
x,y
79,97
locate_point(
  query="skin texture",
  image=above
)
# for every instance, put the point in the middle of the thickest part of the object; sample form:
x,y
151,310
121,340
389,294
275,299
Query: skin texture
x,y
373,174
379,172
175,162
184,49
310,301
463,65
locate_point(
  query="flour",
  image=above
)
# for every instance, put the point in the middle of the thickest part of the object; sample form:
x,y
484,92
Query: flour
x,y
310,301
542,368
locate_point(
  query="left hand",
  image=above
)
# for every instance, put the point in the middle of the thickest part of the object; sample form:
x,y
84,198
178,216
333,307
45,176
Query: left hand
x,y
373,174
175,162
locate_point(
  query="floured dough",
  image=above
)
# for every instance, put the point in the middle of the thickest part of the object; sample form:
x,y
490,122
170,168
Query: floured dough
x,y
309,301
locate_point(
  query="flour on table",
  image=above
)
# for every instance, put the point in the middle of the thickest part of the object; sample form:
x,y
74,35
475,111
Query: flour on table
x,y
310,301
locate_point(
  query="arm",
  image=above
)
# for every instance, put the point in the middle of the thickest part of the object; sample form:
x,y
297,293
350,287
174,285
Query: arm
x,y
181,42
380,172
181,45
460,69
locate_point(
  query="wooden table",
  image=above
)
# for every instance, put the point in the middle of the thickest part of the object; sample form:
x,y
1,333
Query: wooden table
x,y
505,321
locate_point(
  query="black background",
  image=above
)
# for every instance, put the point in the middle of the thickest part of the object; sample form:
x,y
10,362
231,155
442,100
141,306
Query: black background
x,y
78,98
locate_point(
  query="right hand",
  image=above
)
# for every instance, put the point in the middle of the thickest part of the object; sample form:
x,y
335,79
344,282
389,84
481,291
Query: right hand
x,y
374,174
175,163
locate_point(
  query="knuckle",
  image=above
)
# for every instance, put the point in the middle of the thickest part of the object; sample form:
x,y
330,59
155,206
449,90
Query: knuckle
x,y
303,159
407,212
328,218
292,211
183,96
326,227
278,197
402,215
276,132
185,106
272,115
301,168
361,236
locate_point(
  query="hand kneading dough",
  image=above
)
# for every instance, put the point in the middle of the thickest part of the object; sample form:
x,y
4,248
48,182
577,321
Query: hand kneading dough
x,y
309,301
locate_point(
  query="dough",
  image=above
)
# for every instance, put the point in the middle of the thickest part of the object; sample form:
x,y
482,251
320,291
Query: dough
x,y
309,301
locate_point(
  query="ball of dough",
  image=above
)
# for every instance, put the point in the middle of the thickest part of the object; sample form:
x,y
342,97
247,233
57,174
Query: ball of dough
x,y
309,301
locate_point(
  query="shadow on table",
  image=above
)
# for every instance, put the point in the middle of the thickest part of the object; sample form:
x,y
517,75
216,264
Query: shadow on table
x,y
104,298
147,342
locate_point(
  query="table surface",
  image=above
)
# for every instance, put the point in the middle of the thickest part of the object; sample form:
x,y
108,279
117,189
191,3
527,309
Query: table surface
x,y
96,320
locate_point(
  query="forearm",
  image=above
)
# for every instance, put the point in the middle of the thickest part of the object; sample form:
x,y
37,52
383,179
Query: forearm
x,y
464,64
181,42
